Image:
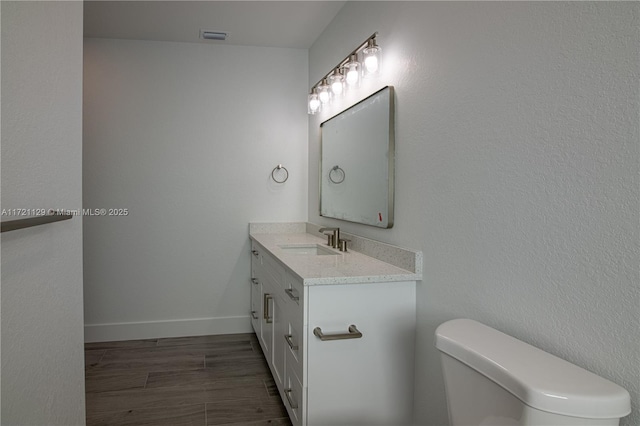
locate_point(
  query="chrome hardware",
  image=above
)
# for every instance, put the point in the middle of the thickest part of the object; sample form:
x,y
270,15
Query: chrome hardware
x,y
292,404
256,253
254,315
267,317
342,244
353,333
332,239
282,179
340,175
329,239
289,292
292,345
255,281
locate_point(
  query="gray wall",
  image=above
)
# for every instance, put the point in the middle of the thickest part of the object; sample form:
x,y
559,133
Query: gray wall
x,y
42,337
517,172
184,136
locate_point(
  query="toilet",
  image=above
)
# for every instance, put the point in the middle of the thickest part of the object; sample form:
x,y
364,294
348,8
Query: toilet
x,y
493,379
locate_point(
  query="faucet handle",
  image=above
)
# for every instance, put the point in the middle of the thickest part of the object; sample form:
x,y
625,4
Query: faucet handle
x,y
342,244
330,239
331,235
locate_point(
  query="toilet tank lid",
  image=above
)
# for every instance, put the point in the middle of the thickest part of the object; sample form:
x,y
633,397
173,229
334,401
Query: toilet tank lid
x,y
537,378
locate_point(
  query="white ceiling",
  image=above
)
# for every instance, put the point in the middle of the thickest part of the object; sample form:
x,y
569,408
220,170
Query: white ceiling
x,y
291,24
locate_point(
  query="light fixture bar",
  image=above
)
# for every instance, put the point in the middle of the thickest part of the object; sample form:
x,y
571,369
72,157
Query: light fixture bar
x,y
345,75
346,59
213,35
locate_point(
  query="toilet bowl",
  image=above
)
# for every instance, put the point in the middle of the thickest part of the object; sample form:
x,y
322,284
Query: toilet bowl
x,y
492,379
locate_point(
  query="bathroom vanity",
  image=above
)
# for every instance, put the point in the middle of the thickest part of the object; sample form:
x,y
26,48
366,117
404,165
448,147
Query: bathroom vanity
x,y
337,328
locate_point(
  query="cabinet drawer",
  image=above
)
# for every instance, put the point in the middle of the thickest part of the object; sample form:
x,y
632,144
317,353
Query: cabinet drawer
x,y
293,346
256,307
273,268
256,262
294,297
256,251
294,395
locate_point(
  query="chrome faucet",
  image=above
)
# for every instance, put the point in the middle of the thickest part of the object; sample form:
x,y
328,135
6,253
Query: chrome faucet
x,y
333,239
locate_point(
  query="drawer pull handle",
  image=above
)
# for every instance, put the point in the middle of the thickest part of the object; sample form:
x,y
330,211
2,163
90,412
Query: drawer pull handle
x,y
256,253
267,318
289,292
353,333
287,393
254,315
255,281
288,338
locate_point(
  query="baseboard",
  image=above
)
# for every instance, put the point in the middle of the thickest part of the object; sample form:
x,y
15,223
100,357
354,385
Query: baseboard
x,y
173,328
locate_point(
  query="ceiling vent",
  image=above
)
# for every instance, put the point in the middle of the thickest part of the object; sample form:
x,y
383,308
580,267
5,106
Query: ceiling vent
x,y
213,35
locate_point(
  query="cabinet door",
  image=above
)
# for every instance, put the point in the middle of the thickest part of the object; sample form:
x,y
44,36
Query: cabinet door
x,y
267,317
273,328
366,380
279,342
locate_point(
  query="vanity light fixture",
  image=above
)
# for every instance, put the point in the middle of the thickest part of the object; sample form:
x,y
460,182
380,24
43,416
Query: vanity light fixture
x,y
346,75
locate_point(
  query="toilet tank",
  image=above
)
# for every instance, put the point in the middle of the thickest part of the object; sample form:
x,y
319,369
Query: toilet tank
x,y
493,379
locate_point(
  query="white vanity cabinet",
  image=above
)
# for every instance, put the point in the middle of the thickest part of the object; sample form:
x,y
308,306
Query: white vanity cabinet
x,y
340,353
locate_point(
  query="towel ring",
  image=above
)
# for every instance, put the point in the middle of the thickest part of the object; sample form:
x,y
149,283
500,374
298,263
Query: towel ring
x,y
279,167
339,179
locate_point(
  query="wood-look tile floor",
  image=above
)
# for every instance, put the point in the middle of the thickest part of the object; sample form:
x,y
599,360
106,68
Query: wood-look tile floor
x,y
199,381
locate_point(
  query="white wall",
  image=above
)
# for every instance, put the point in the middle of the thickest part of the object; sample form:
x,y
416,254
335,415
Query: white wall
x,y
185,137
42,334
517,172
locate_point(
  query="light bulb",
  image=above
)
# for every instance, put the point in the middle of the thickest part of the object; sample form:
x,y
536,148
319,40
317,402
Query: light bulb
x,y
337,82
371,58
371,63
323,92
353,71
314,103
352,77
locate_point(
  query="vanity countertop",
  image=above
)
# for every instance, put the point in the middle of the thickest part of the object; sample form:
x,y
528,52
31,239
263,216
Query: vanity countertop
x,y
343,268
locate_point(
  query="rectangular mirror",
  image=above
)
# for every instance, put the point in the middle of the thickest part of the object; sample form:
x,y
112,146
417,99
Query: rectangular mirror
x,y
357,162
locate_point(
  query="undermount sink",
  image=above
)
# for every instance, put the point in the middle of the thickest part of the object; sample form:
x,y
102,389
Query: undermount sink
x,y
308,249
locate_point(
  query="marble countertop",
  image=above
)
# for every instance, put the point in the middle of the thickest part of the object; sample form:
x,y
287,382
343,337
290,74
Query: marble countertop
x,y
343,268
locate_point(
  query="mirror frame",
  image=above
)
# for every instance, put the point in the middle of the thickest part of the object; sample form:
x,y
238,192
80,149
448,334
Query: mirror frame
x,y
390,157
